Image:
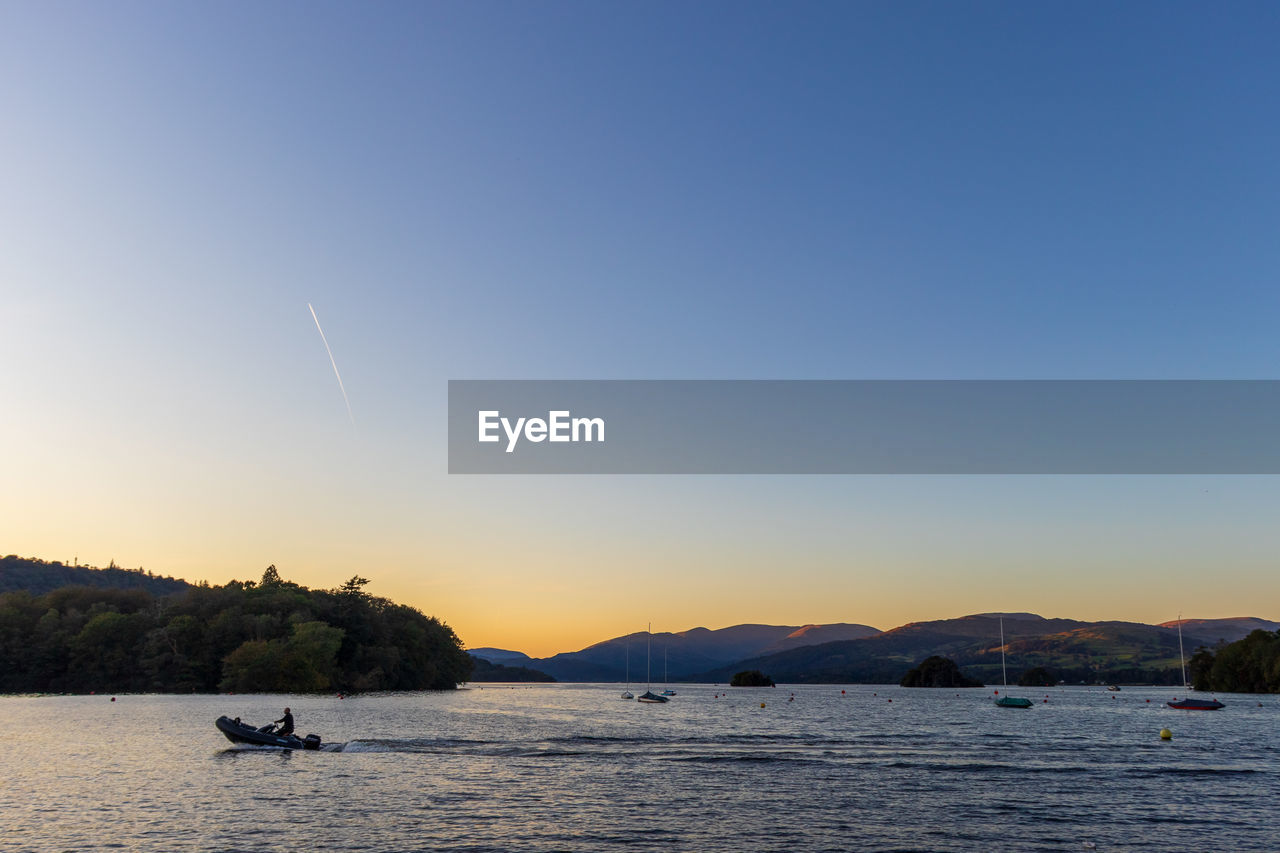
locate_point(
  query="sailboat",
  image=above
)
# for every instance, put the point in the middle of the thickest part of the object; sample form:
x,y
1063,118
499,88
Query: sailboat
x,y
1190,704
627,694
668,691
1008,701
648,695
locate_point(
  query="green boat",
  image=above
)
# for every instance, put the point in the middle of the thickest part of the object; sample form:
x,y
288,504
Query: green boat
x,y
1007,701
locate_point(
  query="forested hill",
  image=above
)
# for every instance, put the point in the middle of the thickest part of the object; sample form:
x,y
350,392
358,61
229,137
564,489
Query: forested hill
x,y
269,636
37,576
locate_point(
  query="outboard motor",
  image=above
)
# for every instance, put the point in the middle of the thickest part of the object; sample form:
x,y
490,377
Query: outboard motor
x,y
311,742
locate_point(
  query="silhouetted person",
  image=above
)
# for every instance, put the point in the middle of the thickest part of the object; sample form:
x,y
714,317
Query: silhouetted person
x,y
287,719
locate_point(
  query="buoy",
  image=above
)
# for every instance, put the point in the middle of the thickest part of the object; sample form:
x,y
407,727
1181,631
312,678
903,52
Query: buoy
x,y
761,704
114,699
1046,701
890,700
1148,701
841,692
1165,734
997,692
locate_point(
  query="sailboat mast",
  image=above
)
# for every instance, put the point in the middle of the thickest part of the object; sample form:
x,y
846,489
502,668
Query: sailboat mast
x,y
1004,674
1181,654
648,654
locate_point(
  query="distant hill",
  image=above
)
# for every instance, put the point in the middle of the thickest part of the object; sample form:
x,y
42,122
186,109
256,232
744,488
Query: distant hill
x,y
1074,651
484,671
499,656
38,577
689,652
813,635
1214,631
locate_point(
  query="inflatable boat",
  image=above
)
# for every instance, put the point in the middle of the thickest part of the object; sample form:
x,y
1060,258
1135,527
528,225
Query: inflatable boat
x,y
238,732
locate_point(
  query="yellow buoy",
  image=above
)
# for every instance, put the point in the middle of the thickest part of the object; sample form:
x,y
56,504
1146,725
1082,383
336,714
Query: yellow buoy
x,y
1165,734
761,704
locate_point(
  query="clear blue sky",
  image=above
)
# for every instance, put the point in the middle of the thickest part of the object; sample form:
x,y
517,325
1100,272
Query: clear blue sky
x,y
585,190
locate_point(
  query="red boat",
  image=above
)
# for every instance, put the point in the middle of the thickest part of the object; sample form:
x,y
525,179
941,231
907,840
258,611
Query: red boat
x,y
1190,704
1196,704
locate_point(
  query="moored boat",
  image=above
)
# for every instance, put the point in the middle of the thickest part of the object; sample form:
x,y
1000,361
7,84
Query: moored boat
x,y
1007,701
627,694
1190,704
1196,704
648,695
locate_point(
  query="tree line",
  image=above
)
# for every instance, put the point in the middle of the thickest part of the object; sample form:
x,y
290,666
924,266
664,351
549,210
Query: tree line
x,y
40,576
1249,665
266,636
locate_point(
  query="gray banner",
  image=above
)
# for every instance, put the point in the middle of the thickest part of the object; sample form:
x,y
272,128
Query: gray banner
x,y
864,427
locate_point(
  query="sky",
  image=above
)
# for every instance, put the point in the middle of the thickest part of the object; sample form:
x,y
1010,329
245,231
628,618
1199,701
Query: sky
x,y
574,190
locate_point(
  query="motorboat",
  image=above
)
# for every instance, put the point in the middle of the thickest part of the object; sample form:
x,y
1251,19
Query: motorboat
x,y
238,732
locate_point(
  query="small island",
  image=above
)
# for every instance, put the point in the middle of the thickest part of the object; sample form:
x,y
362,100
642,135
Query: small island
x,y
937,671
751,678
1038,677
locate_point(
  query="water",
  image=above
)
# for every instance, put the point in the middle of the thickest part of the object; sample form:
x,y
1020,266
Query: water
x,y
575,768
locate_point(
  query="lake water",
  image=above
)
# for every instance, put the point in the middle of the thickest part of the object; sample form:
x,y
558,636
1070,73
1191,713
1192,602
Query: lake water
x,y
575,768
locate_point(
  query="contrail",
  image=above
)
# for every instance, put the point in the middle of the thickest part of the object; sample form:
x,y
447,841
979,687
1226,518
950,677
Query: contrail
x,y
341,387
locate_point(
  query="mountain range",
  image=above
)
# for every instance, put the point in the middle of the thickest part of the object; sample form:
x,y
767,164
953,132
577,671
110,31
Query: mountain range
x,y
1071,650
844,653
679,655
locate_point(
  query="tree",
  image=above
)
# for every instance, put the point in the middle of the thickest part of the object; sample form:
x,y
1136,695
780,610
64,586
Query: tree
x,y
751,678
255,666
937,671
105,650
354,587
313,649
1200,669
1037,676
